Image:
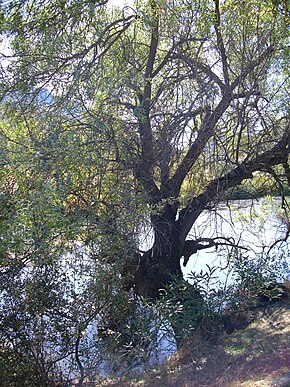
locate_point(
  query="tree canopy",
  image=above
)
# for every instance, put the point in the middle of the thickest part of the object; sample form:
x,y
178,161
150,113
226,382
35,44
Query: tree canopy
x,y
161,109
115,117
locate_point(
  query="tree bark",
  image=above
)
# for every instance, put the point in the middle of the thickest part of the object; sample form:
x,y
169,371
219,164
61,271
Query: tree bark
x,y
157,267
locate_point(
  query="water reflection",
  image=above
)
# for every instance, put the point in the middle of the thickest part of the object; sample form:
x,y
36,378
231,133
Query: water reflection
x,y
255,225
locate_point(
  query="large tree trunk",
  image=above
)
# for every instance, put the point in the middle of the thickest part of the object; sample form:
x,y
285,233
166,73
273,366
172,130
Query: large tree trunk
x,y
159,265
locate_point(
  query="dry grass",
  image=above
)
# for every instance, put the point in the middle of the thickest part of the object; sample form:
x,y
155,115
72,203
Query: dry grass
x,y
256,356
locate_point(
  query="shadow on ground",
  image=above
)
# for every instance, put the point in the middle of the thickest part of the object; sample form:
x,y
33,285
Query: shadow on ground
x,y
257,356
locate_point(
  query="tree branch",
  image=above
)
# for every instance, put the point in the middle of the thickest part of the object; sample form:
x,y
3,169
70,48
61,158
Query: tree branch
x,y
287,172
208,125
195,65
220,43
251,66
144,171
278,154
206,131
193,246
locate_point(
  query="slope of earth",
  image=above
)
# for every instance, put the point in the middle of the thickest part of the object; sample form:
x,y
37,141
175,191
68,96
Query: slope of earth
x,y
258,356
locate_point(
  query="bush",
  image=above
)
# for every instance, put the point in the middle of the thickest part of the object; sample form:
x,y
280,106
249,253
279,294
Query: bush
x,y
258,276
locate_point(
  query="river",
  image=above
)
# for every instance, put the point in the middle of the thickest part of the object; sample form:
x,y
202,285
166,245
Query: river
x,y
253,224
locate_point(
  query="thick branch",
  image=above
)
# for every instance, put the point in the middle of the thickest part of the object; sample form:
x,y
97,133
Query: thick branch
x,y
275,156
144,173
208,125
206,131
193,246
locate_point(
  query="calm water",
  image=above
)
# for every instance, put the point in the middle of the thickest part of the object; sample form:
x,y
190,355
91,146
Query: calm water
x,y
255,225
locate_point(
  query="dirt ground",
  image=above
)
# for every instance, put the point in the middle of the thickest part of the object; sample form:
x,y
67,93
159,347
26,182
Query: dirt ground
x,y
257,356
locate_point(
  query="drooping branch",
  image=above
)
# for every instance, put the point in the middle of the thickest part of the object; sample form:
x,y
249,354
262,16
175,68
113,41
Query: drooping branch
x,y
196,65
208,125
109,35
284,238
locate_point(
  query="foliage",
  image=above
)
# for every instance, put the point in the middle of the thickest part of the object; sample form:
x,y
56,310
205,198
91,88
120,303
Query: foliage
x,y
52,318
183,307
258,276
260,186
201,308
112,119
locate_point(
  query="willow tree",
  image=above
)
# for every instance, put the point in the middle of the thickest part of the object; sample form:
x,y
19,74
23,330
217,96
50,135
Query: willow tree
x,y
168,95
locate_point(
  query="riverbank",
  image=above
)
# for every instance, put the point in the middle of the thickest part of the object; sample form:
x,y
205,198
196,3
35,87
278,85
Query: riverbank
x,y
255,356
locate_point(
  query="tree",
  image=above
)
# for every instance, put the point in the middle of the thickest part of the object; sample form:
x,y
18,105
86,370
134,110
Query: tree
x,y
146,101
